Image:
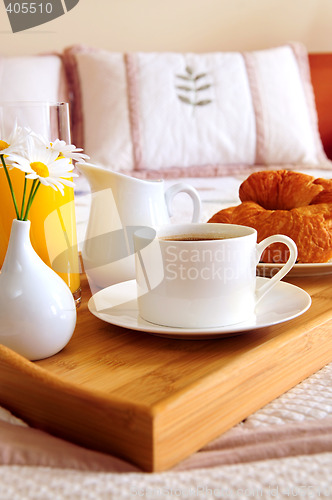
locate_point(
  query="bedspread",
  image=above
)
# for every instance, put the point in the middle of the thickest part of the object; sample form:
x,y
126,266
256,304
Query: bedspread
x,y
282,450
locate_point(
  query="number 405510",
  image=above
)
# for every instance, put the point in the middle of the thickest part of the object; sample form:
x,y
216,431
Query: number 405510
x,y
29,8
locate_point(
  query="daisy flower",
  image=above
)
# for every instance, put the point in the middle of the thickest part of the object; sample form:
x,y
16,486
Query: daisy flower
x,y
14,142
68,150
63,149
42,164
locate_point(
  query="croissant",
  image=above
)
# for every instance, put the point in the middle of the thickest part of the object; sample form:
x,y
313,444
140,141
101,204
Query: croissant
x,y
290,203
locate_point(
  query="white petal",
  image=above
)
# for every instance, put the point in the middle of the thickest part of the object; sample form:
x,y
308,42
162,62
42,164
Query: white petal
x,y
67,183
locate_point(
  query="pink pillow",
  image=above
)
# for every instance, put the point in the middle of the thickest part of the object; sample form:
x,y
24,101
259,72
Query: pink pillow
x,y
175,114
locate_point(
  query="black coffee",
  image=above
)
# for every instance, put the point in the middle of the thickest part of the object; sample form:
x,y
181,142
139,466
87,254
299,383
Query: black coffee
x,y
197,237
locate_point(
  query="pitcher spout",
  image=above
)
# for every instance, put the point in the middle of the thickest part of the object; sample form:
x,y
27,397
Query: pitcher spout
x,y
100,178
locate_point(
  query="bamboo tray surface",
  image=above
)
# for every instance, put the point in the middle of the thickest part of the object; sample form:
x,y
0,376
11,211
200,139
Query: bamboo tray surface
x,y
153,400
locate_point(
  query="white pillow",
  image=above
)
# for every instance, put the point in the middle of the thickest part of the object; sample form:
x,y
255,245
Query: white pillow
x,y
33,78
195,114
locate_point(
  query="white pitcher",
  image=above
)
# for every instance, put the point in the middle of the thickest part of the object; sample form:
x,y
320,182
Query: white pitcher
x,y
120,204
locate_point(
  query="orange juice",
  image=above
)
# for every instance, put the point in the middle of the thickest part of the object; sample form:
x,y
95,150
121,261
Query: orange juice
x,y
53,226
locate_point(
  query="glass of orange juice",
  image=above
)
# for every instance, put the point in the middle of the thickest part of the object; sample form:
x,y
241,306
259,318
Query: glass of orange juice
x,y
52,215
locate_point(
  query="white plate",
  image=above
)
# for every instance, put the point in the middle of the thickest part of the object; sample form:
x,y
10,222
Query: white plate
x,y
117,305
314,269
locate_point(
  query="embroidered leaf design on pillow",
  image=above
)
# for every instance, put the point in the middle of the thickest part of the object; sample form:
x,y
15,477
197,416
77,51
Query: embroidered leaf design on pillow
x,y
203,103
182,87
201,75
192,88
185,99
204,87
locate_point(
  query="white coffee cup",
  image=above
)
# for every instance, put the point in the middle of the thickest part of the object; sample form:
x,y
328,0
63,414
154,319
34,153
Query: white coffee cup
x,y
210,282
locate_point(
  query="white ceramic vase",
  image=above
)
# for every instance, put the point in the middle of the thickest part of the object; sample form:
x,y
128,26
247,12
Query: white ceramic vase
x,y
37,309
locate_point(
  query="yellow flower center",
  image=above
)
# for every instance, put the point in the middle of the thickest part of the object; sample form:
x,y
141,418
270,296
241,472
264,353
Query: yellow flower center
x,y
40,168
3,145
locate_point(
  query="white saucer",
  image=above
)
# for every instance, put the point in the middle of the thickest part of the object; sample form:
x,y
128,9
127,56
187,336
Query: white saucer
x,y
117,305
312,269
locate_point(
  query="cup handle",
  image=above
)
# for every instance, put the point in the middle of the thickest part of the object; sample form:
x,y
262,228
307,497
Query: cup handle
x,y
276,238
181,187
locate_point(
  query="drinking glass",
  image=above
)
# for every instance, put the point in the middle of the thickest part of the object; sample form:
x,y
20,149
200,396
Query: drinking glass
x,y
52,215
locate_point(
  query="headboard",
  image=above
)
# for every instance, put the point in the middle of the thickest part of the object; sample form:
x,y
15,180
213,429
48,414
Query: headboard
x,y
321,76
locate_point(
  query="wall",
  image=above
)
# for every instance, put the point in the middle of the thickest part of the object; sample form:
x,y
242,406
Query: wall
x,y
186,25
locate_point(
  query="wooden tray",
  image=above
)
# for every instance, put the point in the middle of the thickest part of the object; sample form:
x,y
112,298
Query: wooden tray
x,y
155,400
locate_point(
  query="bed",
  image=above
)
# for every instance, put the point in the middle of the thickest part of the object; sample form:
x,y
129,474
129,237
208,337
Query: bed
x,y
282,450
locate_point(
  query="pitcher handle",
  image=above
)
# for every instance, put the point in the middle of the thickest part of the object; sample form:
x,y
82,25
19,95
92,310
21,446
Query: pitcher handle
x,y
182,187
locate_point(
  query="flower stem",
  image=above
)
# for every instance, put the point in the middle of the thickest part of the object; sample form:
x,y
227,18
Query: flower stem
x,y
33,191
10,186
24,193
